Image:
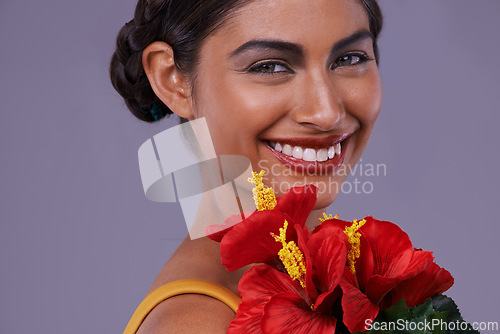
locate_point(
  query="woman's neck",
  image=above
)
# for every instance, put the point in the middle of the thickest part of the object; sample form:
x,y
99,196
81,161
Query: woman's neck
x,y
313,219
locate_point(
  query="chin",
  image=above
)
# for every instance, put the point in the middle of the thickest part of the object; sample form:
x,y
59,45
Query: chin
x,y
324,200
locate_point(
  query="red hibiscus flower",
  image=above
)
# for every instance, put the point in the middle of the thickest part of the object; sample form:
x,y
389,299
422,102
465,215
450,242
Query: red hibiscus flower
x,y
272,302
250,241
330,280
387,270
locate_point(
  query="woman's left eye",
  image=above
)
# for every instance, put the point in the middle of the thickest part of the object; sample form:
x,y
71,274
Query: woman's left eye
x,y
350,60
269,68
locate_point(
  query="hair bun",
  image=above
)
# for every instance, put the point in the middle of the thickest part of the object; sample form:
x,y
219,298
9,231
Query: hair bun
x,y
129,79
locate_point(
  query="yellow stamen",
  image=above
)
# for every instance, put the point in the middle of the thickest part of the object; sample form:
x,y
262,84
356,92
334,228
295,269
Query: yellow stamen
x,y
292,257
325,217
264,197
353,237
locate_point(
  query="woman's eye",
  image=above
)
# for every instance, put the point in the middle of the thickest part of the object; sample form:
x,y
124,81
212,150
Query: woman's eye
x,y
350,60
269,68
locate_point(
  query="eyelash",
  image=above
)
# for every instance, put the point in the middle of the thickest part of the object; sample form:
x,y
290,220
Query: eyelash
x,y
362,59
258,67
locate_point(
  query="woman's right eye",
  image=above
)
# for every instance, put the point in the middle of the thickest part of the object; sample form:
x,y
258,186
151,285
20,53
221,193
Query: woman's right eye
x,y
269,68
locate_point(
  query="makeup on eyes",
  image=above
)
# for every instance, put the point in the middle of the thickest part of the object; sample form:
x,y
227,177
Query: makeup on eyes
x,y
275,57
270,67
251,57
275,66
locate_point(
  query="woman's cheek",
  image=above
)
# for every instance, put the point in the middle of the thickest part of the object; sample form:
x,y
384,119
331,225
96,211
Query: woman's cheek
x,y
362,100
258,109
368,98
238,114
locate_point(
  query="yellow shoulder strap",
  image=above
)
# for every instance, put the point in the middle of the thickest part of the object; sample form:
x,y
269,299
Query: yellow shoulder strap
x,y
180,287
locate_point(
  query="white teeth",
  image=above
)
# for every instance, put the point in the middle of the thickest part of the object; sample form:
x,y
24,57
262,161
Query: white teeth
x,y
287,149
297,152
322,155
309,155
331,152
337,149
278,147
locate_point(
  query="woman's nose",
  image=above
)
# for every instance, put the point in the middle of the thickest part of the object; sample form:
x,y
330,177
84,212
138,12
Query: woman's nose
x,y
319,105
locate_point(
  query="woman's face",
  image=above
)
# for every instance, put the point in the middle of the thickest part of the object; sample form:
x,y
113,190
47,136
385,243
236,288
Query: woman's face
x,y
285,83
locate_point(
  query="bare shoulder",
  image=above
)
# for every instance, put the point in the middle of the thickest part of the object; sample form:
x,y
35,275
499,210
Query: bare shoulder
x,y
192,313
188,314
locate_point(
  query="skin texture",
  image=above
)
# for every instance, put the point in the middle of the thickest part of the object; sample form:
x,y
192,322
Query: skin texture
x,y
264,93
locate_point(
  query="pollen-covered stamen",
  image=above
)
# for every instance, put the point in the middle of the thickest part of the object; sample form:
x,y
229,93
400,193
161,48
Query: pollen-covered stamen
x,y
291,256
325,217
264,197
353,237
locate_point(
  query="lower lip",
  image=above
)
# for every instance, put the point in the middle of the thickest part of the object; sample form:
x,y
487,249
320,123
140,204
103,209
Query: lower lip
x,y
311,167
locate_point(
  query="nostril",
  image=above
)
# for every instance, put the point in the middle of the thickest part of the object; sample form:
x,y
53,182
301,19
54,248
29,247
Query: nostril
x,y
320,117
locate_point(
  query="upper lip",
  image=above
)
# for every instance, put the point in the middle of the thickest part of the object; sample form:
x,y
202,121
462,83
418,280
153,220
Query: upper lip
x,y
312,142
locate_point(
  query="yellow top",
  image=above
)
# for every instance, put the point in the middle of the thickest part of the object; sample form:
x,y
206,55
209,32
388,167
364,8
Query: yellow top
x,y
180,287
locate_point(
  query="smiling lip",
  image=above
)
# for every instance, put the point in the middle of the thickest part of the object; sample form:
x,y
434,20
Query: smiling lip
x,y
311,167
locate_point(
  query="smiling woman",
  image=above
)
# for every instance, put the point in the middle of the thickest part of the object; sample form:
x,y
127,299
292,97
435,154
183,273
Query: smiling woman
x,y
291,85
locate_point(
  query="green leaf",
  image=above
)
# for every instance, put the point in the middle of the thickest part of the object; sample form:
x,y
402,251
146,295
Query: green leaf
x,y
390,317
437,316
397,311
439,310
422,310
446,304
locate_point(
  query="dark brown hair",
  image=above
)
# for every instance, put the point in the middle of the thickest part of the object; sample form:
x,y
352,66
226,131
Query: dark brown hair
x,y
183,24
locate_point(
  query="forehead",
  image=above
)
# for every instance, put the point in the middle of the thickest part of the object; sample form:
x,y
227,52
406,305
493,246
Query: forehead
x,y
313,22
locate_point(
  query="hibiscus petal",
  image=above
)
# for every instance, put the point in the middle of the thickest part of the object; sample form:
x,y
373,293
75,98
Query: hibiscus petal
x,y
262,282
356,305
420,288
289,313
329,264
386,250
330,261
378,286
298,202
256,287
302,238
335,224
251,242
419,262
217,231
247,320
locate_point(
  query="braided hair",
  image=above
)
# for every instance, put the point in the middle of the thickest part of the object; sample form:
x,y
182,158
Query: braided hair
x,y
183,24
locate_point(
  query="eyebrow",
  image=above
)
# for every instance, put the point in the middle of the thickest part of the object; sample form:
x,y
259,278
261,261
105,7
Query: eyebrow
x,y
296,49
351,39
277,45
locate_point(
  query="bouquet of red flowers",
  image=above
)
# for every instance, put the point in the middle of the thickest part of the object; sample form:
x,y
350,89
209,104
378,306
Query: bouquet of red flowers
x,y
343,277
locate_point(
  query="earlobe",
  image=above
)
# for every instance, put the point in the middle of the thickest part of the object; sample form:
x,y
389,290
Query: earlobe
x,y
166,81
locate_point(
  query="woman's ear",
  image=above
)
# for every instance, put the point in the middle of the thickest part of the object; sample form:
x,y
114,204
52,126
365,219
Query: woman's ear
x,y
171,87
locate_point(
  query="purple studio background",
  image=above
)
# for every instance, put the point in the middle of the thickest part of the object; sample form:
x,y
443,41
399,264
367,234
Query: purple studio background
x,y
80,243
